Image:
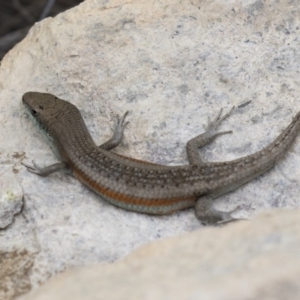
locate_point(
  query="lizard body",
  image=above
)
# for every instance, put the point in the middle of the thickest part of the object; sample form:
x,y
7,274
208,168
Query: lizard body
x,y
142,186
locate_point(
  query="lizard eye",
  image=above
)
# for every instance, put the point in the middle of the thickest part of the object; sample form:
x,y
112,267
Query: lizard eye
x,y
33,112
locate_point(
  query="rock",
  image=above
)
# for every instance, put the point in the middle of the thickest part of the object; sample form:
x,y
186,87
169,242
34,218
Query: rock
x,y
171,64
15,273
11,195
246,260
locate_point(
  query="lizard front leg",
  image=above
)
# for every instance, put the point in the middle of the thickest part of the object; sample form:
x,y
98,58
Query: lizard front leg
x,y
113,142
116,139
205,138
45,171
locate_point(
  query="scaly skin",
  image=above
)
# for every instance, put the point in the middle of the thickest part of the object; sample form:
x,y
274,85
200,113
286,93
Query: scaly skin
x,y
141,186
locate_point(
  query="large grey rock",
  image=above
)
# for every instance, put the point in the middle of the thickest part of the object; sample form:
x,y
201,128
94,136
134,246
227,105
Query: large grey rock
x,y
11,194
172,64
246,260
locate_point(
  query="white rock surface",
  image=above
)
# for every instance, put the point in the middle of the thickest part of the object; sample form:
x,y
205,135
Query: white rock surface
x,y
242,261
11,194
172,64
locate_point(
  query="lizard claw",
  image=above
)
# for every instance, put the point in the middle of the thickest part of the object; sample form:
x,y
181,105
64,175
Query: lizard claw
x,y
116,139
208,215
212,125
121,124
45,171
227,217
33,169
215,123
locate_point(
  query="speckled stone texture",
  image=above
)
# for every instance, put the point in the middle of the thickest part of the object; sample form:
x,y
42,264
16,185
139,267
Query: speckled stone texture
x,y
172,64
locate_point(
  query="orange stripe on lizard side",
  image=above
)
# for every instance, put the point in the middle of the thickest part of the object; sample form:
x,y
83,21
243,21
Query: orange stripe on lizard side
x,y
136,201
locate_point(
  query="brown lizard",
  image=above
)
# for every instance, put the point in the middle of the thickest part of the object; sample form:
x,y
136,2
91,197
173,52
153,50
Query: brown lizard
x,y
142,186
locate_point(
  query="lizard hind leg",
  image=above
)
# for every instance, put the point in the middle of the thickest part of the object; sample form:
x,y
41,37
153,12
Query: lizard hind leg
x,y
208,215
207,137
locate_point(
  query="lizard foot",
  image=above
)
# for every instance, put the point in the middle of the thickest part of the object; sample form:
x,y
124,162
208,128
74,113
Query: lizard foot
x,y
34,168
212,125
116,139
45,171
208,215
121,124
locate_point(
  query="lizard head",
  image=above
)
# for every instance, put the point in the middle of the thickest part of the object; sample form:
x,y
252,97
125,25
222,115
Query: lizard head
x,y
43,107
